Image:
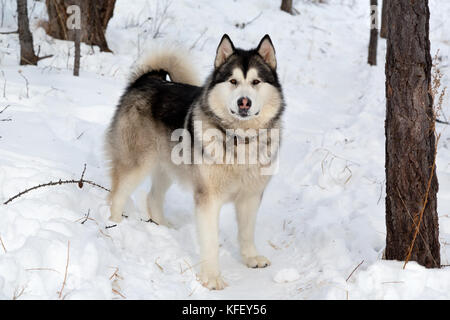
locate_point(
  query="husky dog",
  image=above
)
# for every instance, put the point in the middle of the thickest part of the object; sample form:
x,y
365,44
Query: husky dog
x,y
242,92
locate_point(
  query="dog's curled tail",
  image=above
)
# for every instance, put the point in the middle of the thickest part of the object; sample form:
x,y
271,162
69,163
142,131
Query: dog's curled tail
x,y
173,60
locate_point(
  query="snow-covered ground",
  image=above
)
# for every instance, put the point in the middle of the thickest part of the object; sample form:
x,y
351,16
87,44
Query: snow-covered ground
x,y
322,214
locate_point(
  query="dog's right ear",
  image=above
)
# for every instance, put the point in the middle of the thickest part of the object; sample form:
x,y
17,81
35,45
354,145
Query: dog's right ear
x,y
224,51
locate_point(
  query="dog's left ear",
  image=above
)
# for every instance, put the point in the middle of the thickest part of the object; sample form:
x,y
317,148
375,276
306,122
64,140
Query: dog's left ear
x,y
224,50
267,51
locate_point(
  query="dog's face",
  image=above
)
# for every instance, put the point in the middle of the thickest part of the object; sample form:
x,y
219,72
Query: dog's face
x,y
245,84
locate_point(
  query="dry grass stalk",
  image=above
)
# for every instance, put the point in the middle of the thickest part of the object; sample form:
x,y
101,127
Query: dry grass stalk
x,y
18,294
189,266
158,265
65,273
42,269
116,275
437,110
118,293
273,245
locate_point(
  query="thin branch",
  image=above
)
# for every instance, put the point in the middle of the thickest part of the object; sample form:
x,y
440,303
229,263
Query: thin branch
x,y
348,278
87,217
60,182
45,57
9,32
442,122
4,108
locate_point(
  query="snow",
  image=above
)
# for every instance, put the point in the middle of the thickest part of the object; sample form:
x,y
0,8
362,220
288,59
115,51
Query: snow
x,y
321,216
286,275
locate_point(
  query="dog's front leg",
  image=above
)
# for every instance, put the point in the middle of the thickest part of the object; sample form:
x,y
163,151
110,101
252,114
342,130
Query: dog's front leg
x,y
247,206
207,216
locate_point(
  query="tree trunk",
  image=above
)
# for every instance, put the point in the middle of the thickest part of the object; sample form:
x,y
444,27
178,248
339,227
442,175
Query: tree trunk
x,y
76,65
95,16
373,44
286,5
27,55
383,30
410,137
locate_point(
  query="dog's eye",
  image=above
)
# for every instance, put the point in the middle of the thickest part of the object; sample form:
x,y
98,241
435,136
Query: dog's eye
x,y
255,82
233,81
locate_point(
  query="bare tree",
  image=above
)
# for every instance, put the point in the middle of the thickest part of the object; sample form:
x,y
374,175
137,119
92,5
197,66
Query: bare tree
x,y
95,16
286,5
383,30
373,44
27,55
411,182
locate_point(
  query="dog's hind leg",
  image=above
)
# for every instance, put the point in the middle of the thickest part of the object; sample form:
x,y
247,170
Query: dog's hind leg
x,y
155,199
124,182
246,209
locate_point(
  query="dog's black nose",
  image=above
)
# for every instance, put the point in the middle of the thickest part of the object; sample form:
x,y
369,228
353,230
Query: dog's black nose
x,y
244,105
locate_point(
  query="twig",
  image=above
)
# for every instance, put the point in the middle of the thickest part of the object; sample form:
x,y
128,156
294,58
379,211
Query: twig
x,y
9,32
115,274
195,42
87,217
442,122
3,245
18,294
354,271
118,293
80,135
245,24
60,182
45,57
4,108
151,221
67,267
425,201
189,266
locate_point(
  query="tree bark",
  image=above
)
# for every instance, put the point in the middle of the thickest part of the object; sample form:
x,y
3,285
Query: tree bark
x,y
410,136
286,5
27,55
373,43
76,65
95,16
383,30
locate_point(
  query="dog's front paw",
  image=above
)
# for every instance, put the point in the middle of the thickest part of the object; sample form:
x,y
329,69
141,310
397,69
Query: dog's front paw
x,y
257,262
212,282
116,218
